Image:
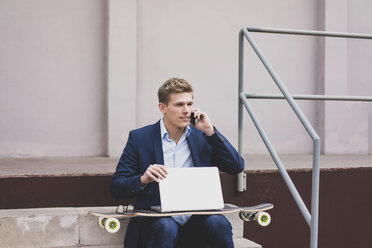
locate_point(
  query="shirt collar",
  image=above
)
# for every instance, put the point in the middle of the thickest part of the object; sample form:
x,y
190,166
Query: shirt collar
x,y
164,131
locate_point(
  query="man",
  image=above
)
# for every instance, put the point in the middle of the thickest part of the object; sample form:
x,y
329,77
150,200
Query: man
x,y
173,142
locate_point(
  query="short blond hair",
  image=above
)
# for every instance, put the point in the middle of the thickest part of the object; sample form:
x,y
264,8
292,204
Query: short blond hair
x,y
171,86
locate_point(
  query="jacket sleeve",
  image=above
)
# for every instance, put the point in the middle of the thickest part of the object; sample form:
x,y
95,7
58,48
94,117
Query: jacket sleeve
x,y
125,183
224,155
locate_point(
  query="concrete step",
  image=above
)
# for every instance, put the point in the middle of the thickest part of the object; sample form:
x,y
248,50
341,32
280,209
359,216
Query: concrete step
x,y
103,246
74,227
238,243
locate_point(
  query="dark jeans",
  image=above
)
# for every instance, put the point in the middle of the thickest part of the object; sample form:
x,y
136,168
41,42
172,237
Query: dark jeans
x,y
199,231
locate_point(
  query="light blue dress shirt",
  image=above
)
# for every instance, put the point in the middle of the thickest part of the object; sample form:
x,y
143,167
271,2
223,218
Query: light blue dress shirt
x,y
176,155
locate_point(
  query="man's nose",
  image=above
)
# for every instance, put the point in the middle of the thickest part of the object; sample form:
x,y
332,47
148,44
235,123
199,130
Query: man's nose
x,y
187,109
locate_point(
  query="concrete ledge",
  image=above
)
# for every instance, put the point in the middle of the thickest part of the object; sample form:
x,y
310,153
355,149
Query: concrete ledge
x,y
103,166
74,227
264,162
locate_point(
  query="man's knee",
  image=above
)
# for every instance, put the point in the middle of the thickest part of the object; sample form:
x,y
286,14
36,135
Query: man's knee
x,y
165,226
218,231
218,222
158,232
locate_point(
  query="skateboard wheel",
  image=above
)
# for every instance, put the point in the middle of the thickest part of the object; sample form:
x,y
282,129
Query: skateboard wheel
x,y
262,218
112,225
101,222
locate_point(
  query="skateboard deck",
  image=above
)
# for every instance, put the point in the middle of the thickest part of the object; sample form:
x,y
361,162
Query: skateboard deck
x,y
110,221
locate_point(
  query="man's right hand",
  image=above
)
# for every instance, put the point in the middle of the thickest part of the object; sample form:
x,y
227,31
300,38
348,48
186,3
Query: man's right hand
x,y
154,173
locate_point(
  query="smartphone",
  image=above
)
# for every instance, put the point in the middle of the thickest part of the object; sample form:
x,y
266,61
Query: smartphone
x,y
192,119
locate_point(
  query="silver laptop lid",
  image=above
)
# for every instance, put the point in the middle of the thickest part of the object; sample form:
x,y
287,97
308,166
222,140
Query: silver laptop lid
x,y
195,188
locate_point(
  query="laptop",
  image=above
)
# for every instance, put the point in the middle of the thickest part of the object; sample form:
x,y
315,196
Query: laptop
x,y
190,189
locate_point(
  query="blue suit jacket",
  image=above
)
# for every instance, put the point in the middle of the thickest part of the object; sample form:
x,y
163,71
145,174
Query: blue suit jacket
x,y
144,147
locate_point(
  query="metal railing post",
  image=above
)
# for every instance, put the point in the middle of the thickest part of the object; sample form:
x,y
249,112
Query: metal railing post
x,y
241,178
315,195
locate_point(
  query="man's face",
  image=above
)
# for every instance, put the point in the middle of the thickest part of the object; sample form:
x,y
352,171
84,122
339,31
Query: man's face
x,y
177,111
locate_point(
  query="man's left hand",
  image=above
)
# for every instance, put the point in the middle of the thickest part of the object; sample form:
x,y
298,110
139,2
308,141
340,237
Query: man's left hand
x,y
203,123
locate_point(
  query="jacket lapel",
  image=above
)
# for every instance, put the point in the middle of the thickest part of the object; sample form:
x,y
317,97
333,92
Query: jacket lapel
x,y
158,147
193,146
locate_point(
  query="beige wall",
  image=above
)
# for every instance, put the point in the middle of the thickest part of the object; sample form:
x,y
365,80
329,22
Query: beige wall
x,y
198,40
360,59
346,126
61,95
52,78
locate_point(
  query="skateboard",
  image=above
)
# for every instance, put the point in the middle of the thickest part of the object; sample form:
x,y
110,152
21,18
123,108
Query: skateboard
x,y
110,221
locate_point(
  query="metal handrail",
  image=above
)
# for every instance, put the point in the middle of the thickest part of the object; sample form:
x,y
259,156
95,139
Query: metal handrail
x,y
309,33
312,97
312,220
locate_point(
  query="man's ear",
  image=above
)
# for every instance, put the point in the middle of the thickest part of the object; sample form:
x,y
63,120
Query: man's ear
x,y
162,107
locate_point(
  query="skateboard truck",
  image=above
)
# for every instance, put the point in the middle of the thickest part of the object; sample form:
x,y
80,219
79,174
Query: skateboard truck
x,y
124,209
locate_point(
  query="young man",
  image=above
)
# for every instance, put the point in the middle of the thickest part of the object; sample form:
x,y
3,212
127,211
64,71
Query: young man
x,y
173,142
